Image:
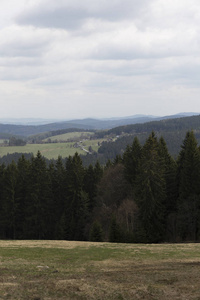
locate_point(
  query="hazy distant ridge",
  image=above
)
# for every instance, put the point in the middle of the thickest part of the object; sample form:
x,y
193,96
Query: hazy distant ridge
x,y
89,123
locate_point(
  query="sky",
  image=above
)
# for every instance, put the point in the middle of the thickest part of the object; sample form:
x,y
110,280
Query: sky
x,y
68,59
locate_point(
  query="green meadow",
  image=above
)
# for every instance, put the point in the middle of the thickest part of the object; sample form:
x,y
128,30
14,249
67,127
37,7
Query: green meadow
x,y
62,145
70,135
83,270
51,150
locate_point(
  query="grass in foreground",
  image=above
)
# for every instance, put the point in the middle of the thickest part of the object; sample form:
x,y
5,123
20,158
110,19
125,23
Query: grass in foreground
x,y
80,270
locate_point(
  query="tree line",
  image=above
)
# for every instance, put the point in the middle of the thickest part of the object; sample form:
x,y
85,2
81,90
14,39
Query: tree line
x,y
144,195
165,125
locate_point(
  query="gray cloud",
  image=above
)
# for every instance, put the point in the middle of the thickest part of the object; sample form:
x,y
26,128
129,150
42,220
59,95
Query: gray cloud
x,y
71,16
125,55
21,50
23,42
59,18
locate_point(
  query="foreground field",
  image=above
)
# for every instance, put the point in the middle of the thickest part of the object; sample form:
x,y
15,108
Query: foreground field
x,y
80,270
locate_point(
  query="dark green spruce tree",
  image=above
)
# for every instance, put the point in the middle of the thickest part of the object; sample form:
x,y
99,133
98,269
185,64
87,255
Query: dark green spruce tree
x,y
150,192
92,177
131,160
96,232
22,196
170,171
77,199
115,234
188,226
59,195
10,201
2,204
39,206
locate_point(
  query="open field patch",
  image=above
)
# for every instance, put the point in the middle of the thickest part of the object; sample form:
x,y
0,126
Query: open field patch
x,y
53,150
48,150
70,135
83,270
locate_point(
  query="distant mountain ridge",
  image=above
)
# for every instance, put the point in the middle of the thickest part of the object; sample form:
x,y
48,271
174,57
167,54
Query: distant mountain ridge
x,y
42,121
86,124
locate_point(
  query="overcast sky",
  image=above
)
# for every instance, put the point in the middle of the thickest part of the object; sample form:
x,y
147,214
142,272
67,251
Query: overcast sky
x,y
98,58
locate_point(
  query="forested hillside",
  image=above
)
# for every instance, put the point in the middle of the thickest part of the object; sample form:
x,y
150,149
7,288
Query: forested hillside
x,y
143,196
27,130
169,125
48,134
101,124
100,145
172,130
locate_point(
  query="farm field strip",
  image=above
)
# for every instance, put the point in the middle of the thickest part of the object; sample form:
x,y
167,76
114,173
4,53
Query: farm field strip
x,y
50,150
70,135
84,270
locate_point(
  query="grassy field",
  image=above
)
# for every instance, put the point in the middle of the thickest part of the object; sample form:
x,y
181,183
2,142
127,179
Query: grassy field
x,y
51,150
44,270
70,135
48,150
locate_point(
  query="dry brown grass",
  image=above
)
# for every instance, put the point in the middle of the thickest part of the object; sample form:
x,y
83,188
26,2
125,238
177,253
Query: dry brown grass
x,y
47,244
46,270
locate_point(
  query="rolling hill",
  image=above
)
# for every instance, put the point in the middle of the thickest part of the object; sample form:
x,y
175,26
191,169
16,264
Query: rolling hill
x,y
111,142
86,124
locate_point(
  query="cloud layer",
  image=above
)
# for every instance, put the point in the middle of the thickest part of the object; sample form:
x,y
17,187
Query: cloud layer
x,y
99,58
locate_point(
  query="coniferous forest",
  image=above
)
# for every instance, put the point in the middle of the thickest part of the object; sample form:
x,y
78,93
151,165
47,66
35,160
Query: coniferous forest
x,y
142,196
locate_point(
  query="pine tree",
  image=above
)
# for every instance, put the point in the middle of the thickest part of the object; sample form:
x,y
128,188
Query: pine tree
x,y
98,172
92,177
77,199
189,189
150,192
170,171
189,167
90,185
115,235
22,195
2,204
60,229
59,195
131,160
10,204
118,159
38,213
96,233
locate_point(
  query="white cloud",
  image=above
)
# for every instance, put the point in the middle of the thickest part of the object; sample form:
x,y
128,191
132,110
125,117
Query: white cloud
x,y
109,57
